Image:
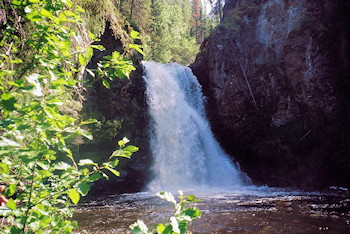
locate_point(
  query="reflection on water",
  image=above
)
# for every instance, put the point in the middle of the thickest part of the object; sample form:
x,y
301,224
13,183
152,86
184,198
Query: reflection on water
x,y
248,212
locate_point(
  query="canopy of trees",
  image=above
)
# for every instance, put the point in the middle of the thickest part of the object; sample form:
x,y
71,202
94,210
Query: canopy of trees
x,y
171,30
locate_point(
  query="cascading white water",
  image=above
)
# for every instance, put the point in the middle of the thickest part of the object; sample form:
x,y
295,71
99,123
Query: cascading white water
x,y
185,152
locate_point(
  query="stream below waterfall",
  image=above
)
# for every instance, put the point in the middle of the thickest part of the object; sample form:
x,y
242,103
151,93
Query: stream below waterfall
x,y
247,212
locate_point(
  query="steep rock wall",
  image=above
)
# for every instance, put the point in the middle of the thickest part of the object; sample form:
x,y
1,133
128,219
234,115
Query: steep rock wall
x,y
276,76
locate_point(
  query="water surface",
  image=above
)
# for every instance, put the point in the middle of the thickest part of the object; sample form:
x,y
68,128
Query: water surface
x,y
234,212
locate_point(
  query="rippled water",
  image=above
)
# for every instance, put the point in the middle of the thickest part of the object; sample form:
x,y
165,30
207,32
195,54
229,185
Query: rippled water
x,y
235,212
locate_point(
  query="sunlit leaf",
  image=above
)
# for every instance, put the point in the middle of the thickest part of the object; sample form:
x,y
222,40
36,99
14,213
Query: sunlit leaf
x,y
73,195
16,61
115,172
138,48
11,204
167,196
4,169
84,162
61,166
84,133
82,59
106,83
131,148
4,142
89,53
90,72
134,34
174,224
160,228
88,121
37,90
138,227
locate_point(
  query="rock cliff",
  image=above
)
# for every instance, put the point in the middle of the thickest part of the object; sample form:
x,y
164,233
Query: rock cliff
x,y
276,77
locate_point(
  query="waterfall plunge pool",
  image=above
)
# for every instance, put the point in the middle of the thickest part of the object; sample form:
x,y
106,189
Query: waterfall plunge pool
x,y
259,211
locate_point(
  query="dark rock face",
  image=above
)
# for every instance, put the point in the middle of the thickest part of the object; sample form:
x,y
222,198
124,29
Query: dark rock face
x,y
276,75
122,112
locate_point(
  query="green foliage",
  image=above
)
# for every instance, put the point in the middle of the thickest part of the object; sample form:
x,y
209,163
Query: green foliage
x,y
177,223
115,65
105,130
37,165
165,27
171,36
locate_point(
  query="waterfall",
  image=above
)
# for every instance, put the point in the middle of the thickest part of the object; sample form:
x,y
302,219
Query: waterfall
x,y
185,152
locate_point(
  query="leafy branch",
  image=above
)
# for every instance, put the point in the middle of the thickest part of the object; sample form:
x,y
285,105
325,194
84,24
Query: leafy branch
x,y
42,178
178,223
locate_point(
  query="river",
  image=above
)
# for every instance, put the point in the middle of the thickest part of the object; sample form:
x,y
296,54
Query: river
x,y
261,211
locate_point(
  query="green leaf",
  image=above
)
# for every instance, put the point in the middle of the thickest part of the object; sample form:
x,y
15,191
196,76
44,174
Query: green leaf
x,y
45,221
192,198
183,226
45,13
138,48
114,163
16,230
115,172
192,212
17,2
88,121
45,173
84,133
89,53
4,169
73,195
82,59
98,47
8,101
131,148
6,96
134,34
121,153
16,61
94,177
11,204
85,162
11,189
84,188
106,83
160,228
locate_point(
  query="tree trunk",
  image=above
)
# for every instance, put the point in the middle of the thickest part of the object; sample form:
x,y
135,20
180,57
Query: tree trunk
x,y
131,9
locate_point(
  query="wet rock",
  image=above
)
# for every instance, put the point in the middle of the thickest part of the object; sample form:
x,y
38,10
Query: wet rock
x,y
275,74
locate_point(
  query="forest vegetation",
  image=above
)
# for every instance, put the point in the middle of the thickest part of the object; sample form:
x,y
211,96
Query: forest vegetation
x,y
44,49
